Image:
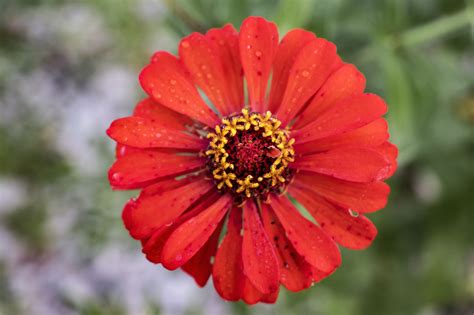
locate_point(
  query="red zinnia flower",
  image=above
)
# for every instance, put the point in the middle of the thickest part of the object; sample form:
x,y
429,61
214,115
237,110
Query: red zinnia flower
x,y
315,137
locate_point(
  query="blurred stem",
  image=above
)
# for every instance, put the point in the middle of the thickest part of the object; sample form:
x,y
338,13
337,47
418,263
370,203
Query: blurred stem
x,y
178,10
435,29
423,33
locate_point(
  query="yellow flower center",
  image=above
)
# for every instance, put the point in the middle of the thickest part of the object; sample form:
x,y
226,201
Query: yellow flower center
x,y
248,155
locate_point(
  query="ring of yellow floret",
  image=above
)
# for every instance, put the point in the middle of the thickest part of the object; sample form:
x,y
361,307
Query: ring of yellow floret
x,y
269,126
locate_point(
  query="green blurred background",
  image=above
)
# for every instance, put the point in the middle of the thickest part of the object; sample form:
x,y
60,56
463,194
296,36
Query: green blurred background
x,y
67,68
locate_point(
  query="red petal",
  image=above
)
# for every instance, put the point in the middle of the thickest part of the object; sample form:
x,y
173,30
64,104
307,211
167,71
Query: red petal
x,y
295,272
122,150
349,114
159,187
153,247
287,51
270,297
259,258
148,133
258,44
390,153
201,58
312,66
167,184
349,231
138,169
152,212
370,135
251,295
188,238
352,164
227,272
200,266
344,82
166,80
319,275
227,40
309,240
166,117
360,197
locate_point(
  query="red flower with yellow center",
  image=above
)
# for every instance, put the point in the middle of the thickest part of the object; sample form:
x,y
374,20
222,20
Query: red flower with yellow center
x,y
217,172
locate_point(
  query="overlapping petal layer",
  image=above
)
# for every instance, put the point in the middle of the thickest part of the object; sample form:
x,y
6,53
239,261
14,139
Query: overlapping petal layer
x,y
359,197
308,239
140,168
354,232
167,81
351,164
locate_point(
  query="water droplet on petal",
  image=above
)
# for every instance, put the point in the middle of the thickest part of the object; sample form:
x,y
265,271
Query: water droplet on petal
x,y
305,73
117,176
353,213
185,44
258,53
172,82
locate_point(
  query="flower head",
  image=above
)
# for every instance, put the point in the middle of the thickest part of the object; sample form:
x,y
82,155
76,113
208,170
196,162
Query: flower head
x,y
217,174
